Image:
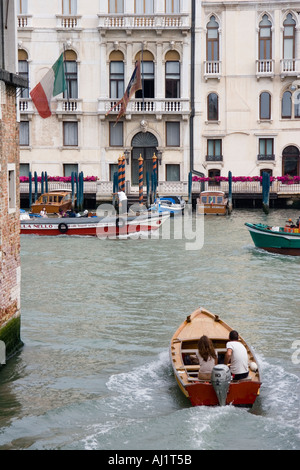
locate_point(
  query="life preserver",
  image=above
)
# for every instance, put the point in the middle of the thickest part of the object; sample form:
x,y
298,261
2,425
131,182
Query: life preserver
x,y
120,222
63,228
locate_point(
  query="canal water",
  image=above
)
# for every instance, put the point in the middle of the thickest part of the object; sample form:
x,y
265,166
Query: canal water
x,y
97,318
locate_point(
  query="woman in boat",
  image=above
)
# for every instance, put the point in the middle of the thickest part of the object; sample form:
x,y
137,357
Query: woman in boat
x,y
207,358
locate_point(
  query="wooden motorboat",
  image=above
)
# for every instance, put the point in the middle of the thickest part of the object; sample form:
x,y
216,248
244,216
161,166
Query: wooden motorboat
x,y
212,202
281,240
53,202
184,344
102,227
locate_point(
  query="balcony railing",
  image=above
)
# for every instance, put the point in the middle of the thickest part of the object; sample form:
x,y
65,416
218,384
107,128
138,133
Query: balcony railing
x,y
157,22
214,158
25,106
147,106
105,188
265,68
67,22
289,68
24,21
71,105
212,69
266,157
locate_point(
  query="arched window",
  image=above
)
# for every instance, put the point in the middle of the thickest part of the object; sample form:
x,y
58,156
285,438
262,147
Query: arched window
x,y
23,71
212,107
212,40
265,45
290,161
71,74
289,43
172,75
265,105
286,105
116,75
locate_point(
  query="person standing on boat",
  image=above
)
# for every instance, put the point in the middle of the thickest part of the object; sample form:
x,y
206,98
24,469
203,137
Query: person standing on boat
x,y
122,202
207,358
237,357
43,212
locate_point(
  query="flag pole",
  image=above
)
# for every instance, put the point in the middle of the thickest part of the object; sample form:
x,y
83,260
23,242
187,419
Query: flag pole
x,y
66,73
143,97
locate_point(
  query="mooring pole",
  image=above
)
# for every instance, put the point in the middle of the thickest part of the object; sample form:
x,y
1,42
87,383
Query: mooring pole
x,y
141,180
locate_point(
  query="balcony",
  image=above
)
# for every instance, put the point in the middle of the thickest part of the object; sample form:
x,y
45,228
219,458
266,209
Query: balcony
x,y
158,23
156,106
26,106
212,69
68,22
24,22
289,68
69,106
265,68
214,158
265,158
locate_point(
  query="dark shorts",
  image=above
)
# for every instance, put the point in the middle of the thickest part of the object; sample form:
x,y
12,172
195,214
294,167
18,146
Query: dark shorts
x,y
240,376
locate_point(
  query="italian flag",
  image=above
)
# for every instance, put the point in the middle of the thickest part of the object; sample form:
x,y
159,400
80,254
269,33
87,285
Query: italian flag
x,y
52,84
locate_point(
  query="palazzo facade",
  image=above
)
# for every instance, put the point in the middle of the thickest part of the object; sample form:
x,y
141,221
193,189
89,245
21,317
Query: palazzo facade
x,y
220,87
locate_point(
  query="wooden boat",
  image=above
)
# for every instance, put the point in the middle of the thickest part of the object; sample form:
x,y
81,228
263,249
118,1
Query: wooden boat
x,y
184,344
53,202
212,202
102,227
281,240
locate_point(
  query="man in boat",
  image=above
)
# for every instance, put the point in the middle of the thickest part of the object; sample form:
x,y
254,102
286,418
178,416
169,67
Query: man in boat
x,y
236,357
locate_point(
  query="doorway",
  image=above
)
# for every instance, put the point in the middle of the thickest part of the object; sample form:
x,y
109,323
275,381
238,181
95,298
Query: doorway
x,y
143,144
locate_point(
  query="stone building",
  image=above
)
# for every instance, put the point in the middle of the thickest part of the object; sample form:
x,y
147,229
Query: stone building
x,y
102,40
9,186
220,87
250,95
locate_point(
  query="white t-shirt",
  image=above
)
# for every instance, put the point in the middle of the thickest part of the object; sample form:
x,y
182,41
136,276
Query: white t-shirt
x,y
239,357
122,196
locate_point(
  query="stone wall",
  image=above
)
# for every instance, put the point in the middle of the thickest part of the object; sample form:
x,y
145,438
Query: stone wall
x,y
10,271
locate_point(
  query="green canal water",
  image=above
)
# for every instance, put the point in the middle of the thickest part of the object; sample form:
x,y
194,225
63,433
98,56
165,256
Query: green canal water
x,y
97,318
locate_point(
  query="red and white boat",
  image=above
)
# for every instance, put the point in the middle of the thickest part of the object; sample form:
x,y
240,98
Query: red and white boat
x,y
102,227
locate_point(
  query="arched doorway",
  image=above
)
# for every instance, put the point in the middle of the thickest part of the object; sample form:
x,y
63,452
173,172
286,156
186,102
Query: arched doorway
x,y
144,144
290,161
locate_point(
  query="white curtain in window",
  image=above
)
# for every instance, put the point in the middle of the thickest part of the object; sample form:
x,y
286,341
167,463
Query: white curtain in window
x,y
24,133
70,133
116,134
173,134
144,6
172,6
69,7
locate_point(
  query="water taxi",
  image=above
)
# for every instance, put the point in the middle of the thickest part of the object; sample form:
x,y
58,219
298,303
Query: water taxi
x,y
53,202
212,202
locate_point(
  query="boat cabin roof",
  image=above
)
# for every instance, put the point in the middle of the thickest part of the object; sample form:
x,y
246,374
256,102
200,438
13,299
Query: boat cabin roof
x,y
213,193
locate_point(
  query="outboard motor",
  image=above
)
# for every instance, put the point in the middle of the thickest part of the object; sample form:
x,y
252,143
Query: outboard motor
x,y
220,379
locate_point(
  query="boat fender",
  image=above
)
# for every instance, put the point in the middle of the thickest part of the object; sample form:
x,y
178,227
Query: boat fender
x,y
63,228
220,379
120,222
253,366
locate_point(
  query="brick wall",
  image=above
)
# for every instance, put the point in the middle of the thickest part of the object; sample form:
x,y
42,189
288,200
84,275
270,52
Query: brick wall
x,y
9,218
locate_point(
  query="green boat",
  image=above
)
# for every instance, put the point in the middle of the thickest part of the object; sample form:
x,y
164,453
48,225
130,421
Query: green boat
x,y
282,240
